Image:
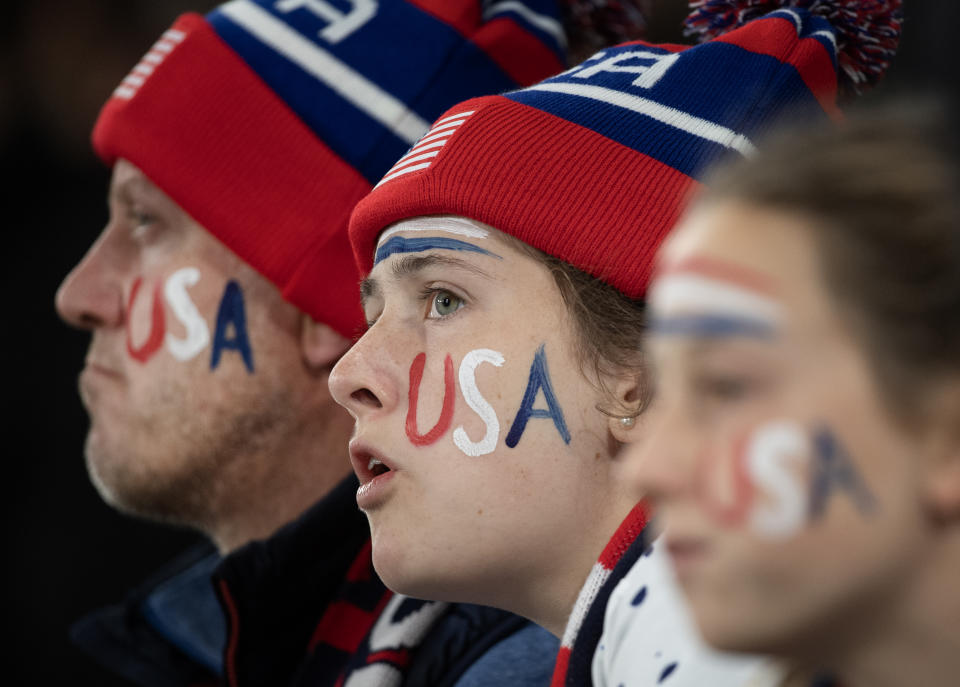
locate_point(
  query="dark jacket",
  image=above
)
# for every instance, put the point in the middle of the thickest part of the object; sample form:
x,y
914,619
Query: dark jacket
x,y
301,608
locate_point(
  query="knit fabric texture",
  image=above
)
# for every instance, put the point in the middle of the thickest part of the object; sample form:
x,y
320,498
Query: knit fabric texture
x,y
585,624
267,120
595,165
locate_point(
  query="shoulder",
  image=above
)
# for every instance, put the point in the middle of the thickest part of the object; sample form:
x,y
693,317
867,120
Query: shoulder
x,y
524,658
649,636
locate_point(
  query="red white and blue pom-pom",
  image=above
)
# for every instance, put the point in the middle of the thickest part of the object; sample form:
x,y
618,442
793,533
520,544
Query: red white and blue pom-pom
x,y
868,31
592,25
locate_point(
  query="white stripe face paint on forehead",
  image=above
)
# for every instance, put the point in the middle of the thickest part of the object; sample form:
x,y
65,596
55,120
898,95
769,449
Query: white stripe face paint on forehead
x,y
450,224
706,298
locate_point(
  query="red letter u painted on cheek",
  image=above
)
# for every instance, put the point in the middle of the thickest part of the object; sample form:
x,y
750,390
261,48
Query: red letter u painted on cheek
x,y
446,412
158,325
709,472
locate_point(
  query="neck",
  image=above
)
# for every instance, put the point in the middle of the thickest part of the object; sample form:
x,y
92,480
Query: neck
x,y
550,602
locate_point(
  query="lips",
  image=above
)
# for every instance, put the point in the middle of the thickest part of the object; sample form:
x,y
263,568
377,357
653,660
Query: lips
x,y
375,473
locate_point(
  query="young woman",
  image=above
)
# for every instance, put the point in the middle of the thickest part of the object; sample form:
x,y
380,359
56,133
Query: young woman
x,y
805,326
500,374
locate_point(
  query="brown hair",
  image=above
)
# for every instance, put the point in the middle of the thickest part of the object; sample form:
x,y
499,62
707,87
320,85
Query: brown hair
x,y
609,326
881,191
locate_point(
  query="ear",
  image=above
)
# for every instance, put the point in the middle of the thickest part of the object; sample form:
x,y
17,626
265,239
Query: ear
x,y
942,478
321,346
624,414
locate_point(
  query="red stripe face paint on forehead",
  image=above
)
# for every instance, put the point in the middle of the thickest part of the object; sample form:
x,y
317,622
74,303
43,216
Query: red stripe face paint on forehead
x,y
719,270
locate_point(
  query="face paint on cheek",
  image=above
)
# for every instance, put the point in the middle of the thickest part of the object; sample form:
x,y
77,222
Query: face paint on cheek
x,y
232,314
539,379
712,481
775,457
773,494
157,325
446,412
835,470
197,333
479,405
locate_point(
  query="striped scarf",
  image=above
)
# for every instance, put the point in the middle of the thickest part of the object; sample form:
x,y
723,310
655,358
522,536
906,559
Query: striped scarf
x,y
585,625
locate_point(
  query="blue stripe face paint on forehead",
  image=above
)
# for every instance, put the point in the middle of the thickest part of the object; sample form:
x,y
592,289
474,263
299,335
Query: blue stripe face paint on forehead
x,y
399,244
711,326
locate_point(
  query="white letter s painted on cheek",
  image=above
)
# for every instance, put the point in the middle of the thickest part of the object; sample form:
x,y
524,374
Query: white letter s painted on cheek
x,y
476,401
772,458
198,334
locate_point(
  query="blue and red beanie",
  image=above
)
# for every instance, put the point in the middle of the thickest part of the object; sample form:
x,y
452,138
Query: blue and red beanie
x,y
267,120
595,165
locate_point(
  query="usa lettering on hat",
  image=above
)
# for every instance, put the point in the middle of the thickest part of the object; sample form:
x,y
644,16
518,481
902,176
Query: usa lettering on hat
x,y
595,164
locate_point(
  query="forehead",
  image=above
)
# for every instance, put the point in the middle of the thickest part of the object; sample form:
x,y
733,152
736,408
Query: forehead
x,y
417,246
765,257
765,250
456,239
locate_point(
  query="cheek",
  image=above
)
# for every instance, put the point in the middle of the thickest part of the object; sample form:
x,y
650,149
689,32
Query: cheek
x,y
171,313
780,478
486,400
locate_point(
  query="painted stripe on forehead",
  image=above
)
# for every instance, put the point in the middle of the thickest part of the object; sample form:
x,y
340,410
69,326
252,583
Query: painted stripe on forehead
x,y
399,244
718,269
711,326
688,292
451,225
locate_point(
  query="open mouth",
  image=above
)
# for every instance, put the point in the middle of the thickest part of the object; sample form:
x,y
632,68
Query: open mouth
x,y
377,468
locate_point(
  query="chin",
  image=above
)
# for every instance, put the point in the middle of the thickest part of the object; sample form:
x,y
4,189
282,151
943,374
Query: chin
x,y
126,483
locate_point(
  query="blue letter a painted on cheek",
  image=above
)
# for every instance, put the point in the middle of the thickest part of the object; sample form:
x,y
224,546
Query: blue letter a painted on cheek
x,y
833,469
539,379
231,311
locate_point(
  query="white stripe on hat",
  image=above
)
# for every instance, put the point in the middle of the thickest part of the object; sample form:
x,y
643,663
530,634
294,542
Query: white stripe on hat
x,y
401,172
828,35
695,126
437,137
541,21
459,115
350,84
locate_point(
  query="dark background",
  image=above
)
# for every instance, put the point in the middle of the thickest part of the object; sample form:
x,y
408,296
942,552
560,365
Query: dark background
x,y
65,552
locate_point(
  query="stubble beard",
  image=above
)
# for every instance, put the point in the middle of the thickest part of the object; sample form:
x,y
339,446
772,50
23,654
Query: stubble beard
x,y
189,460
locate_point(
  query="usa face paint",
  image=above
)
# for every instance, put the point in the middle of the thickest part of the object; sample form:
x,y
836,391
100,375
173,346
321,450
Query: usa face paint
x,y
478,404
230,332
538,383
784,476
198,334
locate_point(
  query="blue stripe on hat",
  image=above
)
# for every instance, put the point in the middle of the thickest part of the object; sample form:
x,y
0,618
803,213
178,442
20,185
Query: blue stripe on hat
x,y
373,92
711,101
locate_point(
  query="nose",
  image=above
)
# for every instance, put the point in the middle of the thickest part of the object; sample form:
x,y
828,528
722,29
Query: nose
x,y
662,465
91,295
364,380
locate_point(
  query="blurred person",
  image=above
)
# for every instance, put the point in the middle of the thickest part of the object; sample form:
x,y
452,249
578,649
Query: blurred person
x,y
805,455
501,373
220,294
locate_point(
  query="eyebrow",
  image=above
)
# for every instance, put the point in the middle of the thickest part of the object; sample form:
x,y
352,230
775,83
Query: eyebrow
x,y
409,265
400,244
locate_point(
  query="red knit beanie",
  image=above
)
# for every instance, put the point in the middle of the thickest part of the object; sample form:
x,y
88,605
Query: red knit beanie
x,y
594,165
266,120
